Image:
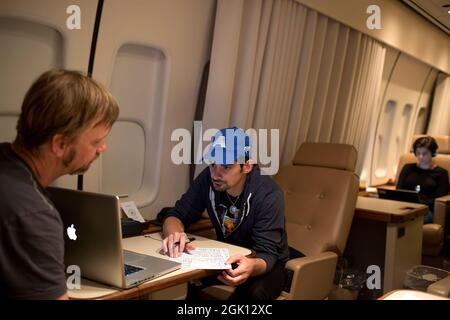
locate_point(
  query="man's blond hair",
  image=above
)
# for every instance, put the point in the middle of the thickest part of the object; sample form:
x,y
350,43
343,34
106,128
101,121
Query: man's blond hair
x,y
63,102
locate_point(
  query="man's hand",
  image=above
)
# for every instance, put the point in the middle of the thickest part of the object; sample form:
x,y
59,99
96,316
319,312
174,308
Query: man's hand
x,y
65,296
174,237
174,244
246,267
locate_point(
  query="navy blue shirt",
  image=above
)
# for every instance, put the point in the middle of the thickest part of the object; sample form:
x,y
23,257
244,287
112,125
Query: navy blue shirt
x,y
261,225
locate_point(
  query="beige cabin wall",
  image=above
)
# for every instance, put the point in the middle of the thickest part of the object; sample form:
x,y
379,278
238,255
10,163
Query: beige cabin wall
x,y
401,28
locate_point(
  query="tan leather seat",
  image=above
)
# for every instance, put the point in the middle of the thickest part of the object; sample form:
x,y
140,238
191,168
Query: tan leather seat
x,y
441,287
433,233
321,190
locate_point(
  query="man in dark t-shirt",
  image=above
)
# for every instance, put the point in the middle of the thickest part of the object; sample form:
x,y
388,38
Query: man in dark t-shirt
x,y
31,234
62,127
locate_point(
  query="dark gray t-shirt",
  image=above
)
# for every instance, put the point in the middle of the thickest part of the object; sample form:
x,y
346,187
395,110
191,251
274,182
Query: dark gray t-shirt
x,y
31,235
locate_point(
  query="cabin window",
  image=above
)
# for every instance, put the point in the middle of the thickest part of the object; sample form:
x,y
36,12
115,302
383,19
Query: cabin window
x,y
384,136
421,121
27,50
400,141
131,165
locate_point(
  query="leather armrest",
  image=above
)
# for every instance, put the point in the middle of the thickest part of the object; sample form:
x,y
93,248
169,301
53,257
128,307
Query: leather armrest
x,y
386,186
433,234
441,287
443,198
313,276
440,209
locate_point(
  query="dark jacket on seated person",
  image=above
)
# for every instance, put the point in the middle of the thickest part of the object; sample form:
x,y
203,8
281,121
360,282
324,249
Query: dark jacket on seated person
x,y
261,226
433,183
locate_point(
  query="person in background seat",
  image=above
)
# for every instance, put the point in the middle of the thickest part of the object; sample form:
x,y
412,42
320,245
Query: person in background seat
x,y
430,180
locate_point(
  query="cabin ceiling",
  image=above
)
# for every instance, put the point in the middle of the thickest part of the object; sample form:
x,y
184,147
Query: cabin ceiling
x,y
436,11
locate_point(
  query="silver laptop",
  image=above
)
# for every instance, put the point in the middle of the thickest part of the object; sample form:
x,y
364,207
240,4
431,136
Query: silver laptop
x,y
93,240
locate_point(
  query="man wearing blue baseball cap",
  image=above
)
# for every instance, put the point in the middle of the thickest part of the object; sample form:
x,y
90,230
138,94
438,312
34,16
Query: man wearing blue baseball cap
x,y
246,209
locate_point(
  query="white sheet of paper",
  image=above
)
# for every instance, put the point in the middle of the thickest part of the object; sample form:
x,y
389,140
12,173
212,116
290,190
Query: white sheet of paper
x,y
132,211
205,258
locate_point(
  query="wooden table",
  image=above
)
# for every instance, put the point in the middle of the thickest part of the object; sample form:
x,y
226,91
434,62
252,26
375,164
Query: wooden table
x,y
388,210
410,295
386,234
150,245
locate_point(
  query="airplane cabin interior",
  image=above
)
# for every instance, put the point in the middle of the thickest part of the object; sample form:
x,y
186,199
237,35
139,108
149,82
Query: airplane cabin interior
x,y
332,93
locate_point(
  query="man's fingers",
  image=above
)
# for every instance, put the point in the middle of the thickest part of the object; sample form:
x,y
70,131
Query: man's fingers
x,y
170,244
231,281
235,272
175,243
234,258
164,246
221,278
176,251
182,241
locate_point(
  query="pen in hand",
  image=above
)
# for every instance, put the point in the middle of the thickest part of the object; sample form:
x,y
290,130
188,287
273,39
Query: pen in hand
x,y
175,245
189,240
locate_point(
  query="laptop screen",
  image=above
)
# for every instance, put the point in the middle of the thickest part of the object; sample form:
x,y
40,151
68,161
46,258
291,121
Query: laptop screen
x,y
93,240
92,233
399,195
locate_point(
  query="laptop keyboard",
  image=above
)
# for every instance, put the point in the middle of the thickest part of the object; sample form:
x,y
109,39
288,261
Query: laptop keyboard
x,y
129,269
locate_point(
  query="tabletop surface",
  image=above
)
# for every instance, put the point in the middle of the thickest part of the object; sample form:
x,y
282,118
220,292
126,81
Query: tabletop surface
x,y
150,244
410,295
388,210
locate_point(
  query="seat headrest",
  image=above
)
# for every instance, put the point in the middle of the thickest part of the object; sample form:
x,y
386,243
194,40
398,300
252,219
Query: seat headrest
x,y
443,143
328,155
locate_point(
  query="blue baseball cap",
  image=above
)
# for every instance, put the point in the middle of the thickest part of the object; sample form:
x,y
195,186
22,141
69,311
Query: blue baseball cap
x,y
228,146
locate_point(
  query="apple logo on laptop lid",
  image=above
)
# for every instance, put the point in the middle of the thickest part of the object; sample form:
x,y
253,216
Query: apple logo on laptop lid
x,y
71,232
